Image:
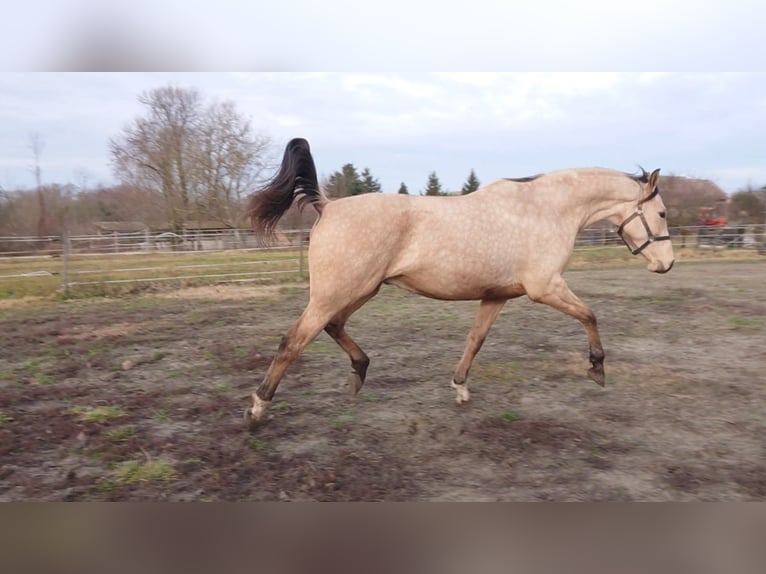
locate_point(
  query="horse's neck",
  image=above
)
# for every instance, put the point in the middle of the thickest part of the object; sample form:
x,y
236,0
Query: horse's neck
x,y
601,198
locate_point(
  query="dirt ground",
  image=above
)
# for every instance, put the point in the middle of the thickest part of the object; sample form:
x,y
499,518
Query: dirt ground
x,y
141,398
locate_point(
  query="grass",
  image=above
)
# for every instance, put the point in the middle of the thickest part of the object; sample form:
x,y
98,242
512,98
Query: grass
x,y
281,407
196,268
510,416
320,347
120,434
135,471
41,379
5,419
746,323
190,268
258,444
97,415
160,416
343,420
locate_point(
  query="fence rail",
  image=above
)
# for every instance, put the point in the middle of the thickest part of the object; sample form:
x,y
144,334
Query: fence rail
x,y
234,255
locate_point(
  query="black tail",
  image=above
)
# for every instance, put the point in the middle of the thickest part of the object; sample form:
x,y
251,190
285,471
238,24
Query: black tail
x,y
296,179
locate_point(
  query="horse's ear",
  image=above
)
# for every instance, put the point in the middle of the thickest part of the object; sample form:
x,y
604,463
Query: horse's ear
x,y
654,177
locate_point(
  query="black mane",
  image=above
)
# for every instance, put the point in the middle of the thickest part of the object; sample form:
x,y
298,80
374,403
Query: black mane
x,y
524,179
643,178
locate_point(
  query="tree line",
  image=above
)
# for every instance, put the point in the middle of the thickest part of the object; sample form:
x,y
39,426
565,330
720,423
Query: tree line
x,y
349,181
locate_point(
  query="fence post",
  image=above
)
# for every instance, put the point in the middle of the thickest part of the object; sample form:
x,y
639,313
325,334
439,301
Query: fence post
x,y
300,253
65,256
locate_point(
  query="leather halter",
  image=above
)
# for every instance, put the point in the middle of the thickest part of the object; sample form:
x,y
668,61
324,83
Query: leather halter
x,y
639,213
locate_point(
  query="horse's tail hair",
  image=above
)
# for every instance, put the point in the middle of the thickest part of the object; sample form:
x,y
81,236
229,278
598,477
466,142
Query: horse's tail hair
x,y
295,180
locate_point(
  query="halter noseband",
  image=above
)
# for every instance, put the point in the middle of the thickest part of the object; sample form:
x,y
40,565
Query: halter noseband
x,y
639,213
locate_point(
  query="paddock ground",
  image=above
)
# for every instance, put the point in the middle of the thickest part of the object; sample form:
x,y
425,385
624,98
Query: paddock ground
x,y
140,397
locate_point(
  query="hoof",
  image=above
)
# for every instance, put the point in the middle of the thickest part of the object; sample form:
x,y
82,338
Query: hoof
x,y
250,421
462,396
355,382
254,414
596,374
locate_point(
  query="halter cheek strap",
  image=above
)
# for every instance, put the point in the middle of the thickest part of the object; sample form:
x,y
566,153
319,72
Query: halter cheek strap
x,y
639,214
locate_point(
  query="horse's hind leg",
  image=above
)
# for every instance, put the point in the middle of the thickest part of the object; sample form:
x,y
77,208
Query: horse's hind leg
x,y
488,312
336,328
359,359
305,330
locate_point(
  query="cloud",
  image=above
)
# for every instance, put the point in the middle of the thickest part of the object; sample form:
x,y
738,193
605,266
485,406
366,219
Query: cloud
x,y
380,86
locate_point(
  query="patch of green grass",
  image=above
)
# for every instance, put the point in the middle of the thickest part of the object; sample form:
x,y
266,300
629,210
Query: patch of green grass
x,y
497,371
746,323
158,356
96,414
160,416
108,266
42,379
95,455
281,407
120,434
5,419
30,365
135,471
322,348
510,416
221,388
258,444
105,486
343,420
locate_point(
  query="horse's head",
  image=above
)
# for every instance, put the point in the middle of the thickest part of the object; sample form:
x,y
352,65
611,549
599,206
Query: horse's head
x,y
645,230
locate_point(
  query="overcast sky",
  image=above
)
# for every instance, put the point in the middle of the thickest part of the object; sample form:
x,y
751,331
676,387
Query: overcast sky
x,y
405,125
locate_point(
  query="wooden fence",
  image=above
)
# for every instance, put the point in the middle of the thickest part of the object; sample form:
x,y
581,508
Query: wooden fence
x,y
233,256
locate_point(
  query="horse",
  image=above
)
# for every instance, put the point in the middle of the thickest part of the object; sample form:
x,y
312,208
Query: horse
x,y
510,238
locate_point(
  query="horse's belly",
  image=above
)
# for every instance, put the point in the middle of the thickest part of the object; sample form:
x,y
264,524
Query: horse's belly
x,y
455,288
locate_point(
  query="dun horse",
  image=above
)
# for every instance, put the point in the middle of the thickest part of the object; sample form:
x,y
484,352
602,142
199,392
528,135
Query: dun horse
x,y
508,239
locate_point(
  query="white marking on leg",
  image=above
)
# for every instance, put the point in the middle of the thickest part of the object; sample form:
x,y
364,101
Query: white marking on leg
x,y
463,396
259,407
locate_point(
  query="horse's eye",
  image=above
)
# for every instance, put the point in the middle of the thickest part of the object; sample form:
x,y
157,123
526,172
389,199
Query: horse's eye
x,y
663,214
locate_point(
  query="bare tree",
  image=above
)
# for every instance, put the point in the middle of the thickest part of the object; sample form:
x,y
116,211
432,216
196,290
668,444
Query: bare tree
x,y
6,206
229,161
37,144
154,150
201,159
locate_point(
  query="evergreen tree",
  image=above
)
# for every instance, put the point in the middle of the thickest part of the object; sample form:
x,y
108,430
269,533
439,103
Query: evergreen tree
x,y
369,184
403,189
471,184
434,186
344,183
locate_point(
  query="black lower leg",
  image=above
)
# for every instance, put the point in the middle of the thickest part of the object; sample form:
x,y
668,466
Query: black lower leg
x,y
360,366
596,372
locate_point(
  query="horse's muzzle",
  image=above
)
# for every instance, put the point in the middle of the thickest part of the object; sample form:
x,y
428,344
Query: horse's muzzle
x,y
659,267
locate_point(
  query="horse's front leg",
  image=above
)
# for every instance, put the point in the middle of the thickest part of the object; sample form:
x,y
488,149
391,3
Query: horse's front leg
x,y
488,311
559,296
